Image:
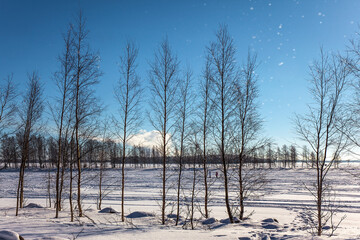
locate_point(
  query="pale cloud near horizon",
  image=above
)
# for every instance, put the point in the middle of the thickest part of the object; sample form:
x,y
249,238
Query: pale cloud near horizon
x,y
147,139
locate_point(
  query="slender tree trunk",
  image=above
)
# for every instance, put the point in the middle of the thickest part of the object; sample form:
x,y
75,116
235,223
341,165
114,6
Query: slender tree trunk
x,y
78,156
58,165
123,179
205,166
226,189
193,193
21,200
124,156
61,182
163,182
71,182
164,160
241,193
180,172
223,156
49,187
20,191
100,182
178,190
101,173
58,173
18,195
319,202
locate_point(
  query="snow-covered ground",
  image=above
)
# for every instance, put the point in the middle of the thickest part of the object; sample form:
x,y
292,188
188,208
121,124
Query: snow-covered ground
x,y
284,199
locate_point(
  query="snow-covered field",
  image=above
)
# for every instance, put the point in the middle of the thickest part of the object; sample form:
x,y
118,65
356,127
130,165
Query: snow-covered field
x,y
284,199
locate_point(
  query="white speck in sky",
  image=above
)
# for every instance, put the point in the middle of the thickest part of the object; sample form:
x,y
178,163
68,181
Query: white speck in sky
x,y
280,26
281,63
351,22
321,22
293,49
302,16
253,37
251,8
205,4
319,13
270,4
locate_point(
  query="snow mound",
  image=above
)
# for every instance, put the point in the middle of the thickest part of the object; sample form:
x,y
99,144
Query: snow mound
x,y
108,210
270,220
139,215
52,238
9,235
208,221
173,216
270,223
33,205
227,220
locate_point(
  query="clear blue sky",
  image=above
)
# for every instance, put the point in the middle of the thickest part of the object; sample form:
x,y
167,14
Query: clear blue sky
x,y
285,34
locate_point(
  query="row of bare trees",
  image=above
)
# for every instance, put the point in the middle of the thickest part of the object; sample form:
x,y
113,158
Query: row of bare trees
x,y
226,114
230,122
221,119
77,110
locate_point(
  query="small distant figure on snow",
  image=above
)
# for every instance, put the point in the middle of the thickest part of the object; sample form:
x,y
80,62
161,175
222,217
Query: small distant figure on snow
x,y
217,174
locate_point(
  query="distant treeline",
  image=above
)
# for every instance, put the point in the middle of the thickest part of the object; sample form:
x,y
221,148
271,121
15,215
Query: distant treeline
x,y
43,153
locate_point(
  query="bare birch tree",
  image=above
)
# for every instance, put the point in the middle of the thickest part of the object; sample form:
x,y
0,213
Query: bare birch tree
x,y
205,122
223,77
103,155
86,74
128,95
185,110
30,115
163,77
63,80
321,130
248,121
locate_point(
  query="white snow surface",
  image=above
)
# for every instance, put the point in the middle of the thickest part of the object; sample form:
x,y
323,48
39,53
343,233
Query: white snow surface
x,y
275,215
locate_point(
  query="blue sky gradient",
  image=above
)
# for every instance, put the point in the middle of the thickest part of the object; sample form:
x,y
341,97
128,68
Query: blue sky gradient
x,y
285,34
